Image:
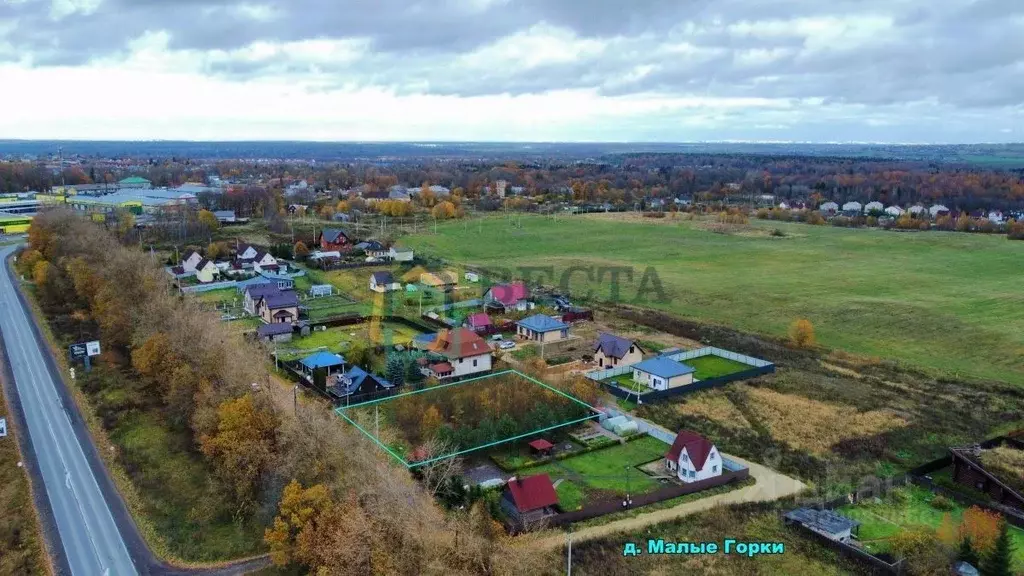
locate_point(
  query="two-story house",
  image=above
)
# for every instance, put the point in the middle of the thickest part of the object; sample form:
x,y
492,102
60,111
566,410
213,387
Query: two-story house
x,y
693,457
612,350
332,239
465,351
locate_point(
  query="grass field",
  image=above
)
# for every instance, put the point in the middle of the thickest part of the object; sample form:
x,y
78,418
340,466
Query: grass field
x,y
881,521
939,300
626,381
21,547
711,366
606,470
336,339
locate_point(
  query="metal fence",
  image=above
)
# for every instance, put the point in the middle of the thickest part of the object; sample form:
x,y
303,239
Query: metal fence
x,y
208,287
713,351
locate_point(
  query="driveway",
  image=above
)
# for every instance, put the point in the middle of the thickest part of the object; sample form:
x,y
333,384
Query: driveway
x,y
770,485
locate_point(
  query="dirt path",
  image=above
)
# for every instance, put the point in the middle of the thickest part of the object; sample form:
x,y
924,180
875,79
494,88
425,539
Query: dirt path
x,y
770,485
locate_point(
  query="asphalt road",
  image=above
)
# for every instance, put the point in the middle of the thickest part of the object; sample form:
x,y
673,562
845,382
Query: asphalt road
x,y
87,524
90,537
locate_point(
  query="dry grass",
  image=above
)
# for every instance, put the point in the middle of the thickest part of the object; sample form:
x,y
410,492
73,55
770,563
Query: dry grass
x,y
815,426
716,406
1007,463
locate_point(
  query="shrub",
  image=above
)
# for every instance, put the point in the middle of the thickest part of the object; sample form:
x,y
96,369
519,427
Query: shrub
x,y
815,218
1015,230
940,502
801,333
778,233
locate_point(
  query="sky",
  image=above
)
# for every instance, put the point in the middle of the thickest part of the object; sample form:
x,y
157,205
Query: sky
x,y
907,71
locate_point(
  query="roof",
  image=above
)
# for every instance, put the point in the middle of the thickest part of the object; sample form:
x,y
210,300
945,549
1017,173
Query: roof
x,y
332,235
542,323
697,448
459,343
371,245
354,379
323,360
824,520
401,250
439,279
224,213
285,299
541,444
382,278
479,319
203,263
441,368
134,180
613,346
509,294
274,329
425,338
532,493
664,367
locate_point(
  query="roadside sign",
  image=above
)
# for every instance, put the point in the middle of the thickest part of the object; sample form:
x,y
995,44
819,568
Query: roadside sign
x,y
93,348
3,427
78,351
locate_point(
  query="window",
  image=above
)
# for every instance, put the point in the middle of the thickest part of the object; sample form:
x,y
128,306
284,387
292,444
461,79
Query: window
x,y
684,458
692,474
474,363
714,468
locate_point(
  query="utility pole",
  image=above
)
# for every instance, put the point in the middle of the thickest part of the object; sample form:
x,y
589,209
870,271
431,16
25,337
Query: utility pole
x,y
295,398
568,567
63,181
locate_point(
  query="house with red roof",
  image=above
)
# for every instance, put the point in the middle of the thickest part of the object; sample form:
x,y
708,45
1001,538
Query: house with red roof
x,y
508,297
693,457
478,322
464,350
528,501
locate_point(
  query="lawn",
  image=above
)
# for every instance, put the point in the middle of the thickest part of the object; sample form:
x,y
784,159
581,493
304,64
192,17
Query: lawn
x,y
881,521
626,381
939,300
606,470
570,496
712,366
337,338
222,296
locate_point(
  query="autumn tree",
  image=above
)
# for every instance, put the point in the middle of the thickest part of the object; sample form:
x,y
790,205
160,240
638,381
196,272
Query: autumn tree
x,y
242,446
947,531
443,211
967,553
300,250
981,526
298,511
923,552
430,423
27,261
208,220
801,333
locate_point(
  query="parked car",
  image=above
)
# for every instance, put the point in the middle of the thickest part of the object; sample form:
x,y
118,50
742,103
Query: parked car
x,y
497,337
506,344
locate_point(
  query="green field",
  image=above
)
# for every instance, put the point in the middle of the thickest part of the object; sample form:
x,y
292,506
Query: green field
x,y
606,470
712,366
941,300
336,339
881,521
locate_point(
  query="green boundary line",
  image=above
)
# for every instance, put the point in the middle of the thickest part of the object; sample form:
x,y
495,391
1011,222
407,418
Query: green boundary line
x,y
342,409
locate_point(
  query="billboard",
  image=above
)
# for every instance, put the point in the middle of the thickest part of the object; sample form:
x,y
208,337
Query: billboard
x,y
78,351
93,348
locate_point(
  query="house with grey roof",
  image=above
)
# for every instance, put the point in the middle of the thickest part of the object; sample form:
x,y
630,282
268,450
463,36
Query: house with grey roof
x,y
825,522
662,373
612,350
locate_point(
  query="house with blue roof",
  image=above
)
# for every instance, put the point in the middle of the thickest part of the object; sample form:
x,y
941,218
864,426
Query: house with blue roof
x,y
661,373
329,361
357,383
542,328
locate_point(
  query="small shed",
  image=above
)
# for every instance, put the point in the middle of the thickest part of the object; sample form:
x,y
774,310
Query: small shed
x,y
541,446
278,332
472,277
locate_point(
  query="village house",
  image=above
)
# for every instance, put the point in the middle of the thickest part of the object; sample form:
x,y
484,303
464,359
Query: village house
x,y
357,383
440,281
253,292
828,208
373,248
225,216
328,362
277,308
478,322
189,264
464,350
275,332
508,297
612,350
246,252
330,239
400,254
528,501
542,328
207,271
662,373
970,471
264,261
384,282
873,207
693,457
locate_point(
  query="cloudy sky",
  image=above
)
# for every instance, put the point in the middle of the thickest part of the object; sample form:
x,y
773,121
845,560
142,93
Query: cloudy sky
x,y
540,70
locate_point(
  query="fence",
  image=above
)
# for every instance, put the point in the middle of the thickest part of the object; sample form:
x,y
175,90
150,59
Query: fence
x,y
455,305
877,565
208,287
713,351
612,506
689,388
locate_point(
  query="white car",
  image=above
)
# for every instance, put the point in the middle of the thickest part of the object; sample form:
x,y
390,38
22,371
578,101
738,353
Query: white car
x,y
505,345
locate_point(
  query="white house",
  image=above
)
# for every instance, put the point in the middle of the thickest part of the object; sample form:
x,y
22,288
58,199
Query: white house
x,y
873,207
693,457
894,211
938,209
400,254
662,373
916,209
207,271
464,350
263,259
612,350
384,282
829,207
995,216
852,207
189,264
472,277
247,252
